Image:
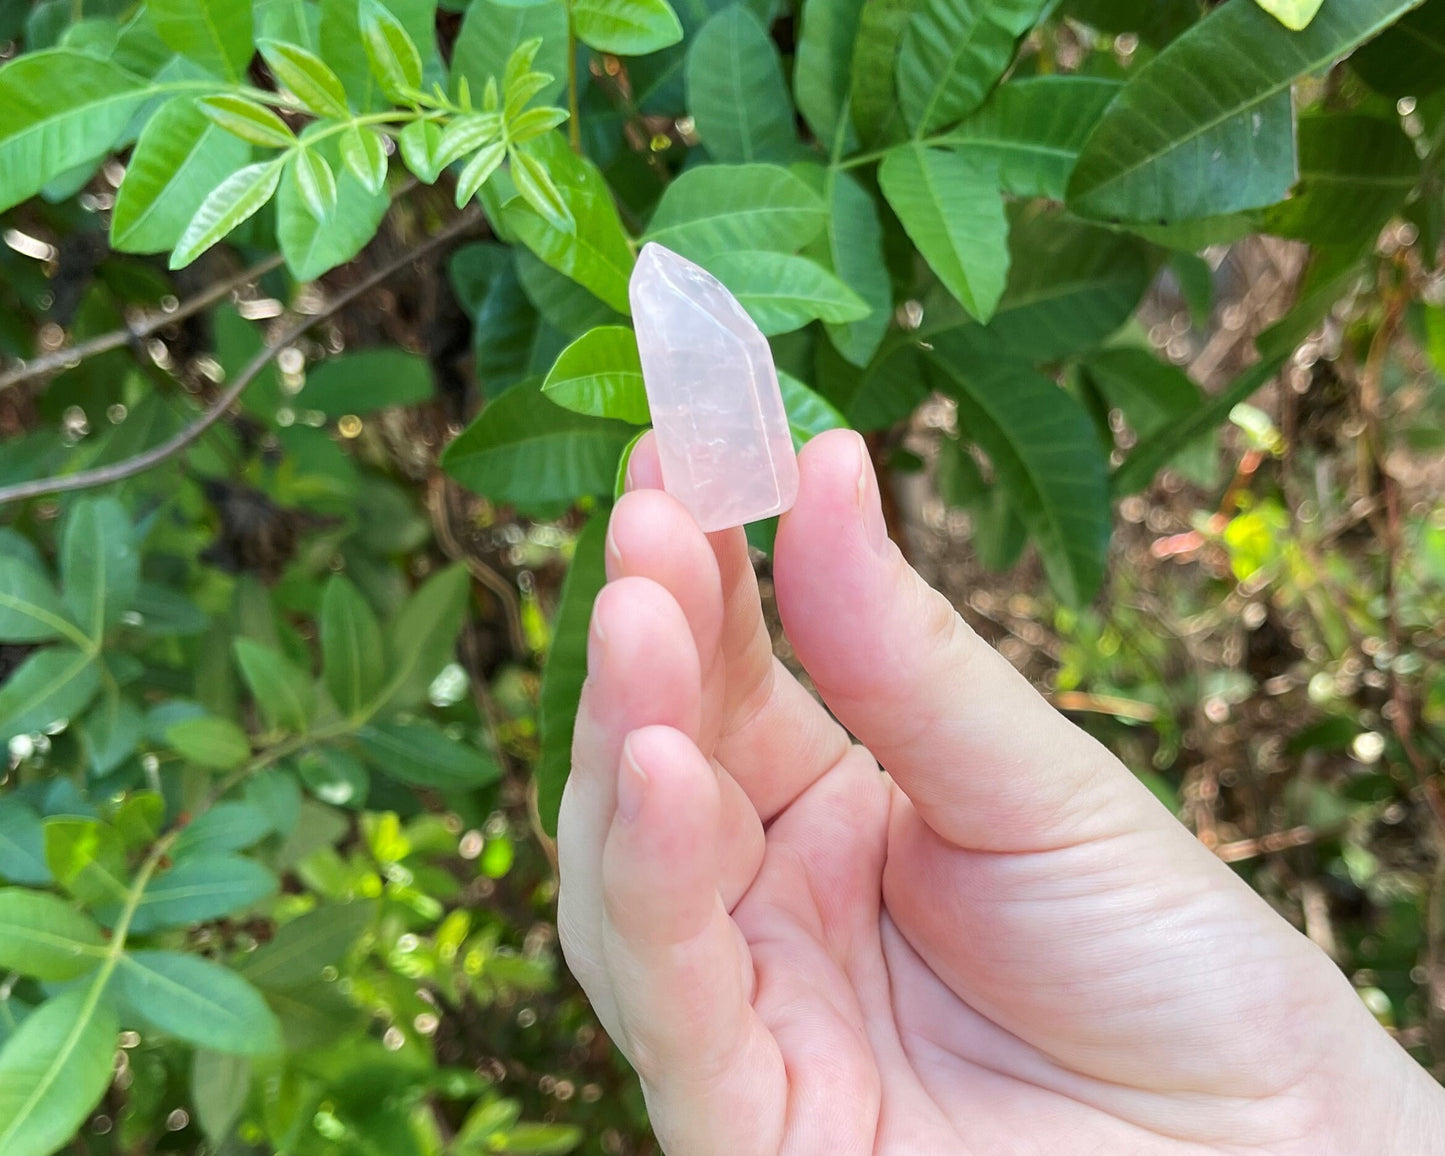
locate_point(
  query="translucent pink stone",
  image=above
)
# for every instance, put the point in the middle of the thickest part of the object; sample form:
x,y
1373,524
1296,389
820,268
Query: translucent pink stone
x,y
722,431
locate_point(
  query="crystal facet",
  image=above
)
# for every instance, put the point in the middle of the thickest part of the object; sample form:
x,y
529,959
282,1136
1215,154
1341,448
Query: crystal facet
x,y
722,431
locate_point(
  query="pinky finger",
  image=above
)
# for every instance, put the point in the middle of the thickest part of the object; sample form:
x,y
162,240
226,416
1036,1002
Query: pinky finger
x,y
680,970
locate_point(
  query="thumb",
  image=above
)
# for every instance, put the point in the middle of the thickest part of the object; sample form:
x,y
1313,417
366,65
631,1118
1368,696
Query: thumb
x,y
986,761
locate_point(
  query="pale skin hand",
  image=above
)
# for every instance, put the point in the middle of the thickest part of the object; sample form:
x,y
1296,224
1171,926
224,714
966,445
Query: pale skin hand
x,y
1003,945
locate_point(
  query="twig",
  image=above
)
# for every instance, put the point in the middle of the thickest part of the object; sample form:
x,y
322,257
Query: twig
x,y
1266,844
440,510
129,467
73,355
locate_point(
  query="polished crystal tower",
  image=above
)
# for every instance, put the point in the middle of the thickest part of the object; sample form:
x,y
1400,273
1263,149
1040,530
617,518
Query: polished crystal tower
x,y
722,431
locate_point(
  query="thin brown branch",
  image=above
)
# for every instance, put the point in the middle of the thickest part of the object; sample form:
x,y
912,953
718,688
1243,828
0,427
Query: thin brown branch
x,y
129,467
1266,844
72,355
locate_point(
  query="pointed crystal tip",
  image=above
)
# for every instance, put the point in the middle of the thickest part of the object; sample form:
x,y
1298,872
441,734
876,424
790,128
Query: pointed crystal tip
x,y
722,431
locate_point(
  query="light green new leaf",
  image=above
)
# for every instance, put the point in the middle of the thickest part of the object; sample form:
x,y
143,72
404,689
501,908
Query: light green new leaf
x,y
852,248
281,689
394,58
566,668
54,1070
467,133
490,33
138,819
307,76
41,935
234,200
1034,128
1045,451
423,637
600,374
525,450
422,756
595,253
315,182
181,156
350,647
216,34
540,192
201,888
365,157
220,1085
99,564
718,208
782,292
59,110
30,608
313,247
343,46
952,53
822,67
420,144
87,858
736,93
225,827
301,950
477,171
949,205
1293,14
1206,127
626,27
208,741
197,1001
52,684
248,120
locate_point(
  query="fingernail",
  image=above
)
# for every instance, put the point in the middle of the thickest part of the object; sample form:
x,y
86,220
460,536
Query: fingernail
x,y
870,504
631,786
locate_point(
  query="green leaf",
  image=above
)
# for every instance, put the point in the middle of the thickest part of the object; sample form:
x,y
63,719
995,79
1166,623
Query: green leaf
x,y
394,58
875,106
567,668
626,27
54,1070
87,858
49,686
281,689
595,253
809,413
534,122
1206,127
99,565
950,207
1355,172
541,1139
138,819
1150,393
350,646
1045,451
600,374
479,170
736,93
422,756
423,637
1408,58
343,46
58,110
490,33
998,532
220,1085
365,157
366,381
1293,14
166,613
43,936
315,182
1033,130
539,191
952,53
225,827
236,199
420,144
208,741
22,845
718,208
822,67
30,608
782,292
301,950
181,156
525,450
216,34
248,120
467,133
199,889
334,777
313,247
852,248
307,76
197,1001
510,340
111,732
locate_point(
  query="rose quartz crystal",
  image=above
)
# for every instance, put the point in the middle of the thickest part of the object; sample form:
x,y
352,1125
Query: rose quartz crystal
x,y
722,431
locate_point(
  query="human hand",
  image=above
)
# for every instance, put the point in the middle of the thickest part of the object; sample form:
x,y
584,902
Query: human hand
x,y
1002,945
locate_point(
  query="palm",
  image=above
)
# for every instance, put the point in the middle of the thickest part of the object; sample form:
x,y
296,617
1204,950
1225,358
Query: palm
x,y
1004,946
